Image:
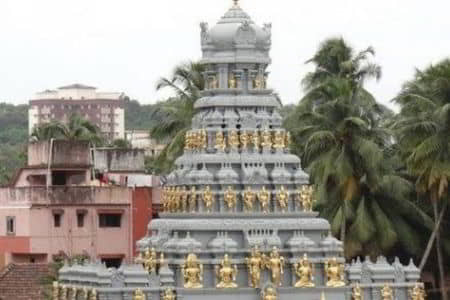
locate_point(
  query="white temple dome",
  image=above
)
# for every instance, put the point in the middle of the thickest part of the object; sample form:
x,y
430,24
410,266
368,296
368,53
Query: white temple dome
x,y
236,28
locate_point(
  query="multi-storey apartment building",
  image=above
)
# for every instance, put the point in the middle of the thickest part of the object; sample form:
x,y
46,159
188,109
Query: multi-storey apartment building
x,y
105,109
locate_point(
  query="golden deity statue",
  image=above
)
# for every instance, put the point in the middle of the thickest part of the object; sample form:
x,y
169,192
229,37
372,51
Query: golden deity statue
x,y
305,197
264,199
287,142
220,141
150,260
139,295
357,293
279,140
164,199
213,82
192,272
168,294
63,293
176,199
184,199
305,273
266,139
230,198
203,139
248,197
256,140
192,199
73,293
55,290
387,293
234,139
245,139
335,273
195,140
232,82
282,198
226,274
269,294
254,265
188,141
93,295
258,82
208,199
275,263
417,292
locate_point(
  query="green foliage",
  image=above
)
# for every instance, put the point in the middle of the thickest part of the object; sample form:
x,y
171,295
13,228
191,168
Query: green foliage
x,y
121,144
139,116
340,132
13,138
76,129
186,83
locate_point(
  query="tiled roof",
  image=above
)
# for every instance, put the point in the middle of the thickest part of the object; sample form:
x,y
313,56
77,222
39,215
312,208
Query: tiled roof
x,y
22,281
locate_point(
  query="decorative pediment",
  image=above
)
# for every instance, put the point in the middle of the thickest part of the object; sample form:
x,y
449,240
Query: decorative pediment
x,y
245,35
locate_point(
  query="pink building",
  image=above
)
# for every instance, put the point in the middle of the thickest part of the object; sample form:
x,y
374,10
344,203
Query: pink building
x,y
55,207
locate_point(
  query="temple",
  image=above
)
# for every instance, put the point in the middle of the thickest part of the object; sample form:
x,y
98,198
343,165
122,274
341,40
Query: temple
x,y
238,219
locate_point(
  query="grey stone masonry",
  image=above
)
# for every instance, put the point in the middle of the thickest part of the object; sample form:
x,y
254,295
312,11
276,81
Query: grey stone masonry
x,y
243,146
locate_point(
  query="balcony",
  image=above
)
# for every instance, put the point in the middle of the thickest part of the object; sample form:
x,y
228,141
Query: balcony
x,y
65,195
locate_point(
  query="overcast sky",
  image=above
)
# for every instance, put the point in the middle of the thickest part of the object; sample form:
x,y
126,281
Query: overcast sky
x,y
126,45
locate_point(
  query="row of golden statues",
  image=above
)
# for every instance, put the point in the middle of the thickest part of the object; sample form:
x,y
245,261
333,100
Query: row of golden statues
x,y
65,292
167,294
416,293
226,273
198,140
149,260
178,199
260,82
270,293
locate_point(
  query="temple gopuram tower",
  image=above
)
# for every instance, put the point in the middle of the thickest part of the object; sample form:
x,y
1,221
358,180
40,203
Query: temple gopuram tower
x,y
238,219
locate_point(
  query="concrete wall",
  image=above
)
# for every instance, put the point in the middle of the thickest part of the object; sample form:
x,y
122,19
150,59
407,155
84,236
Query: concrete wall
x,y
74,195
64,153
119,159
73,240
34,209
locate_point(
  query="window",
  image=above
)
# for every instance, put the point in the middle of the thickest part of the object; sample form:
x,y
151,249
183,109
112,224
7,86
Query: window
x,y
80,219
109,220
57,220
112,262
10,225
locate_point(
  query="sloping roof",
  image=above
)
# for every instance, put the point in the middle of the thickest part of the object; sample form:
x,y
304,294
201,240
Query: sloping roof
x,y
22,281
77,86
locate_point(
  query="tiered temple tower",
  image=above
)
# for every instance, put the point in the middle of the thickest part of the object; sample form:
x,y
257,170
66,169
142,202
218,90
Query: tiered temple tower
x,y
238,219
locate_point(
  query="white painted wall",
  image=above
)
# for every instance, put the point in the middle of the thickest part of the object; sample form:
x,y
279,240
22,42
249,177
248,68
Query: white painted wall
x,y
33,118
119,127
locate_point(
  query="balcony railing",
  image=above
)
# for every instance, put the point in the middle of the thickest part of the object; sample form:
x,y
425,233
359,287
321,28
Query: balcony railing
x,y
65,195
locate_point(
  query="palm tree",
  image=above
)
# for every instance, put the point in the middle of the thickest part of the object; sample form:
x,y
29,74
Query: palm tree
x,y
345,151
76,129
423,130
335,58
176,113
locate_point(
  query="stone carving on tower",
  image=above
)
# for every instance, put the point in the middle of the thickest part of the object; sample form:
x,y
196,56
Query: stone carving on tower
x,y
239,218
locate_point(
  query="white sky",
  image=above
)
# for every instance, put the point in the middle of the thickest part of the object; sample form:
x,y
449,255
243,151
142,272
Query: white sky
x,y
126,45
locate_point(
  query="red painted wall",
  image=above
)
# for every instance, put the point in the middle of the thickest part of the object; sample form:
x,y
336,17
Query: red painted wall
x,y
14,244
142,213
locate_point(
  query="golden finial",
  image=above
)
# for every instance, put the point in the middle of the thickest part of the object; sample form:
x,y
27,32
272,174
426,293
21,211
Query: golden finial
x,y
236,3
